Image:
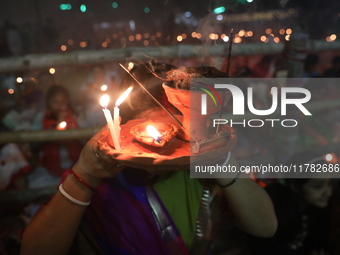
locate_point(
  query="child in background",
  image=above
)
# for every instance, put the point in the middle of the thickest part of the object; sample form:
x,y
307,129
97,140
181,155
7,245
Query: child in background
x,y
303,211
57,156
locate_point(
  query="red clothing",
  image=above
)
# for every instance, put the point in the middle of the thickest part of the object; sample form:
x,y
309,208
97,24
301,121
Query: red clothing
x,y
51,159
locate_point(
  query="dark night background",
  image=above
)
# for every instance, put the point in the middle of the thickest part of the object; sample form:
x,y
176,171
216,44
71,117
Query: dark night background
x,y
29,27
101,22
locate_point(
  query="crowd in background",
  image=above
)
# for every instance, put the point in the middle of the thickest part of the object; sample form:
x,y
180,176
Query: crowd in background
x,y
46,36
43,99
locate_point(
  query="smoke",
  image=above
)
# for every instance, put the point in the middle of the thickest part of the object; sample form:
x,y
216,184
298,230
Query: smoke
x,y
208,26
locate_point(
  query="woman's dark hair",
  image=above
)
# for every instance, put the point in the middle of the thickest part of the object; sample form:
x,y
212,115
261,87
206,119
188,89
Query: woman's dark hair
x,y
54,90
151,76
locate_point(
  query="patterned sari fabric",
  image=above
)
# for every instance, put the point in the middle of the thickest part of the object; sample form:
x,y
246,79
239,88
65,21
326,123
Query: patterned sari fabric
x,y
120,220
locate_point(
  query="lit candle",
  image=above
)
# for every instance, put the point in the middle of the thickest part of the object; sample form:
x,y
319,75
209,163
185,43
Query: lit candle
x,y
104,102
62,125
153,132
120,100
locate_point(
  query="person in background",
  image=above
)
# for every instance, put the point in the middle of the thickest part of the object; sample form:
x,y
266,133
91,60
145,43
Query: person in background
x,y
104,207
334,70
310,69
14,167
265,68
335,221
302,207
55,157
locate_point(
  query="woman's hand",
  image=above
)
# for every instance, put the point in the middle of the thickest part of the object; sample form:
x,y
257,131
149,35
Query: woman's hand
x,y
93,164
249,203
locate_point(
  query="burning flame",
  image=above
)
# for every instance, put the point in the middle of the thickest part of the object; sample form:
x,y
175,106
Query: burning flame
x,y
153,132
104,101
123,96
62,125
331,158
103,87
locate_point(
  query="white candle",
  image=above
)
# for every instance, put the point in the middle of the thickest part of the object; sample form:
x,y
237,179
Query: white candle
x,y
116,121
104,101
120,100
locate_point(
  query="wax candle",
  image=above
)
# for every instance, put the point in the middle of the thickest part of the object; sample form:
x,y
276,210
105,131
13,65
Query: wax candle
x,y
116,120
104,102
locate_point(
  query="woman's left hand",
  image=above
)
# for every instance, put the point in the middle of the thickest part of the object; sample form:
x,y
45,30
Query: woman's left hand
x,y
93,164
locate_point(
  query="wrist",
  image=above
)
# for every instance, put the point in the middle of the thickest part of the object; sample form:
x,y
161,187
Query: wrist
x,y
233,176
82,181
227,182
83,177
76,190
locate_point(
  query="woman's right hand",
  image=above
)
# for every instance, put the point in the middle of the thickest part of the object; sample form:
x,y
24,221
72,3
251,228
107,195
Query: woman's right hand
x,y
63,213
93,164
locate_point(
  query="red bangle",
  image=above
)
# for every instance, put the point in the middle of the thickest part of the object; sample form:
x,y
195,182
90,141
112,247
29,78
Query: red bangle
x,y
82,181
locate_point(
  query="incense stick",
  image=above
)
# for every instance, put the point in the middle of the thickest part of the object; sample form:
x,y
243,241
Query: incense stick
x,y
141,85
227,73
229,53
